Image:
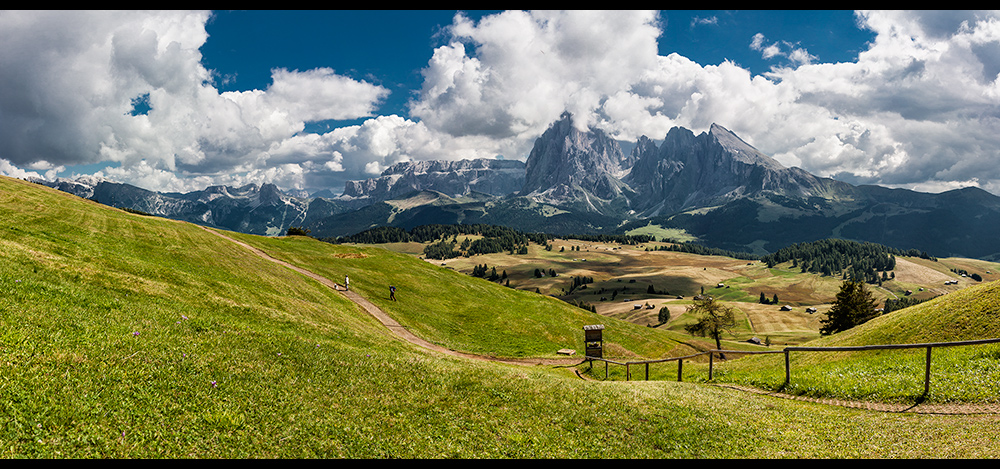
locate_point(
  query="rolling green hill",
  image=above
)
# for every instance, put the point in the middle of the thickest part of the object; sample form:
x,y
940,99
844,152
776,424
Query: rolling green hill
x,y
128,336
959,374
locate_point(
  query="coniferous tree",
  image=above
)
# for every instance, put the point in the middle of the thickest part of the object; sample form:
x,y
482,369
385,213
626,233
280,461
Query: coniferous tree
x,y
664,315
854,305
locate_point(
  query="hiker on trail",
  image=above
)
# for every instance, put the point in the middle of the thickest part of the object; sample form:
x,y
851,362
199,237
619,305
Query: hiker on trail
x,y
347,283
392,293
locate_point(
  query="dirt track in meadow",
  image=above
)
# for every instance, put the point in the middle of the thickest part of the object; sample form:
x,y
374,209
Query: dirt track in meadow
x,y
403,333
387,321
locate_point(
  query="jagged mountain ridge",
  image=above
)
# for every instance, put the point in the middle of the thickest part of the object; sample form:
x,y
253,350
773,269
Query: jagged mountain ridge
x,y
713,186
726,193
713,168
455,178
255,209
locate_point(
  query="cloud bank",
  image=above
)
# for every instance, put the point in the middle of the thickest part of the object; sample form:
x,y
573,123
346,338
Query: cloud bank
x,y
918,108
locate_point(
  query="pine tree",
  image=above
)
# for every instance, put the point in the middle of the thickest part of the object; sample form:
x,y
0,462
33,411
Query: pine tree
x,y
854,305
664,315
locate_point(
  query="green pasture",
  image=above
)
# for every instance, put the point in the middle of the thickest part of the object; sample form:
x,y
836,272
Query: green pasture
x,y
128,336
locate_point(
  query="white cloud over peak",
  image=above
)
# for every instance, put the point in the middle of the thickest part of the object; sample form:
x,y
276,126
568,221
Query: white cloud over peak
x,y
68,81
514,73
918,108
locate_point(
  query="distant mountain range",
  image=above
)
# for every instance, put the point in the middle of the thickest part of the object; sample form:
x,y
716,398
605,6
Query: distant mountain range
x,y
712,186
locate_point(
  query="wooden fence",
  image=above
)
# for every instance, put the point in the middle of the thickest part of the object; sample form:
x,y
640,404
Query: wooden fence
x,y
787,351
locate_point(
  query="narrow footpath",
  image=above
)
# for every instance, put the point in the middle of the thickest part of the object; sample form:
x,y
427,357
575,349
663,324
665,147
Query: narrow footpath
x,y
391,323
405,334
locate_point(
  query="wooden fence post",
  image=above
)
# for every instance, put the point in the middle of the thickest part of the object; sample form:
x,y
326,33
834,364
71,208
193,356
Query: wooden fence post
x,y
647,371
927,373
710,357
680,369
627,372
788,373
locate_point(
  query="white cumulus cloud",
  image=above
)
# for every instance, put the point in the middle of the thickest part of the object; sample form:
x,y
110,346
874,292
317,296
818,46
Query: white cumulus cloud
x,y
918,107
68,80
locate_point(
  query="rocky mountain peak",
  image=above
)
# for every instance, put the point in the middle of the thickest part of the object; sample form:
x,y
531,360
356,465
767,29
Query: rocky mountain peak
x,y
713,167
567,160
455,178
740,150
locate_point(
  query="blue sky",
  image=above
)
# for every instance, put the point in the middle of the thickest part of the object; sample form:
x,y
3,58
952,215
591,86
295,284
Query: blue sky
x,y
391,47
177,100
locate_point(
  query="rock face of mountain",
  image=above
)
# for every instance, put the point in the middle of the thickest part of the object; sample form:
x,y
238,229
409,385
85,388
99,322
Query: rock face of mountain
x,y
712,168
577,169
455,178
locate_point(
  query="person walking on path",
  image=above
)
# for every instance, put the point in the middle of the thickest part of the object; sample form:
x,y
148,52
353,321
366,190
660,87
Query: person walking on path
x,y
392,293
347,283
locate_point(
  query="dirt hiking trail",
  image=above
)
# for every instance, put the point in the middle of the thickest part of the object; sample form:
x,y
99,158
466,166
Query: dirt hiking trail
x,y
403,333
389,322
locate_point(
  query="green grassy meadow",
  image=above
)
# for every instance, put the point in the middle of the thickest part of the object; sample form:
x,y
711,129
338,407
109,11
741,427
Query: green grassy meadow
x,y
128,336
969,374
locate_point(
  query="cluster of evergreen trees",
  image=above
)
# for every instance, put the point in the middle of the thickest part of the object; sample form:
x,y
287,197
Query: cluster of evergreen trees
x,y
898,304
377,235
581,304
692,248
541,273
919,253
764,301
613,238
441,250
482,271
580,281
859,262
494,239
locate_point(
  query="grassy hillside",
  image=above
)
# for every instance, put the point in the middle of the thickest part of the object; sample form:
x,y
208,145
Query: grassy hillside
x,y
130,336
461,312
959,374
620,278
